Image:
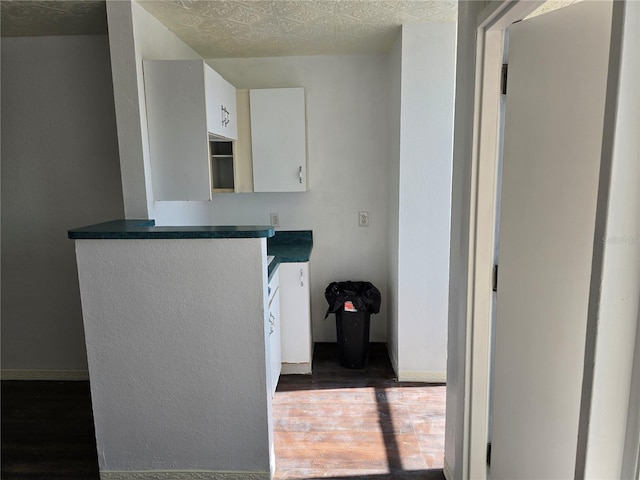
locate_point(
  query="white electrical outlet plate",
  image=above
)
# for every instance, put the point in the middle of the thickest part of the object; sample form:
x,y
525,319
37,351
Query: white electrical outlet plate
x,y
275,219
363,219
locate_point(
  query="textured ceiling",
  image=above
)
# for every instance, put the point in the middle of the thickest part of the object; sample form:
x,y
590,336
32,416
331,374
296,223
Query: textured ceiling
x,y
216,28
251,28
550,5
51,17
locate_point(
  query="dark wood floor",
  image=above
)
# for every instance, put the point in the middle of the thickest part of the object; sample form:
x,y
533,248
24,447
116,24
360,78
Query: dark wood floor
x,y
47,431
337,423
357,424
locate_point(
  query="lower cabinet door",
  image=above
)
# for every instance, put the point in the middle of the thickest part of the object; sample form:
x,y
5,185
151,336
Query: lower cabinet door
x,y
274,340
295,316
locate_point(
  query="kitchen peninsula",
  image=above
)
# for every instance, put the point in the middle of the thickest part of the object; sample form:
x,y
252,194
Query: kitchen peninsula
x,y
177,344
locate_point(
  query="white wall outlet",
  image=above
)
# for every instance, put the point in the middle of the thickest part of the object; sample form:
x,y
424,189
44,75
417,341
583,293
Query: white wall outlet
x,y
275,219
363,219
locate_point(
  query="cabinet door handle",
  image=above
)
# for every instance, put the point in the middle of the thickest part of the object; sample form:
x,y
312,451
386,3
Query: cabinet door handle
x,y
225,116
301,278
300,173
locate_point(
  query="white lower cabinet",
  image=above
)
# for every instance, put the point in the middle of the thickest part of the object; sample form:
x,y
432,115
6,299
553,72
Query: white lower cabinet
x,y
295,318
274,332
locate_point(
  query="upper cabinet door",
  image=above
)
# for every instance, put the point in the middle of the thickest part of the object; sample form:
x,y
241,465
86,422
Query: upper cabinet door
x,y
186,101
278,140
221,105
177,125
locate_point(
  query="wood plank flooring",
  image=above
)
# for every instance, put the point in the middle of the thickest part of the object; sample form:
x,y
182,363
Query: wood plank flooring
x,y
337,423
357,424
47,431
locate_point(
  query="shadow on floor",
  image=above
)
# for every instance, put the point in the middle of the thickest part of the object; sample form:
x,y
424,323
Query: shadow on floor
x,y
338,423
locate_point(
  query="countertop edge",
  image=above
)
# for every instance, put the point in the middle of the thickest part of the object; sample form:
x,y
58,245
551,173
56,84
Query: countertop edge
x,y
146,230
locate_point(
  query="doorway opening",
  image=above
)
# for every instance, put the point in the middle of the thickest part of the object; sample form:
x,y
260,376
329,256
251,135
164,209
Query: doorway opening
x,y
492,25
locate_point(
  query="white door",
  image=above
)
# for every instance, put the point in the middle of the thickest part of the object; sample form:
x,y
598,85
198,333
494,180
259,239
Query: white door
x,y
553,138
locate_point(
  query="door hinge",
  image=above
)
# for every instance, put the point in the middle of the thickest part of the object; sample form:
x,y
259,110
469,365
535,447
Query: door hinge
x,y
495,278
489,454
503,83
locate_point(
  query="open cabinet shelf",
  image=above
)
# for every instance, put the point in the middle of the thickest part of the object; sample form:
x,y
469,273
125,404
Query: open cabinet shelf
x,y
222,165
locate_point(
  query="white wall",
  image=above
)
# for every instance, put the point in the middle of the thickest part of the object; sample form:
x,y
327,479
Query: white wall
x,y
134,35
59,171
178,375
620,282
347,127
421,89
368,107
426,142
348,148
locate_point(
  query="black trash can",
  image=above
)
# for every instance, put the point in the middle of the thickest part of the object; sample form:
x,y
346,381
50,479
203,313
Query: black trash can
x,y
353,303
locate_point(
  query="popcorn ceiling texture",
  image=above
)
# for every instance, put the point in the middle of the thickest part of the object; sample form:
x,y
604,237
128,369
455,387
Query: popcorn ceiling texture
x,y
551,5
242,29
228,29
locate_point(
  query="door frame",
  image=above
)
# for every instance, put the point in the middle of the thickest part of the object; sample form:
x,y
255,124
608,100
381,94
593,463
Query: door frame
x,y
491,23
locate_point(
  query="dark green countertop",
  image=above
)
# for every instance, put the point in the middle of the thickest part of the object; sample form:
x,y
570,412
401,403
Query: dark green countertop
x,y
289,247
146,229
285,246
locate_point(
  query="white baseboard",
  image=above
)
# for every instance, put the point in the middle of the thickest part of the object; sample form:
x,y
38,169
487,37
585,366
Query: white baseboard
x,y
181,475
296,368
447,471
54,375
427,377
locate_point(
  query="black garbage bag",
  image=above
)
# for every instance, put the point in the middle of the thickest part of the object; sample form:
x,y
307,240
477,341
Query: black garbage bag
x,y
364,296
353,303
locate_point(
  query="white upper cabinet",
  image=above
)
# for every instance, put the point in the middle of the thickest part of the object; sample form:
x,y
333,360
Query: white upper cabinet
x,y
187,102
221,105
278,140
